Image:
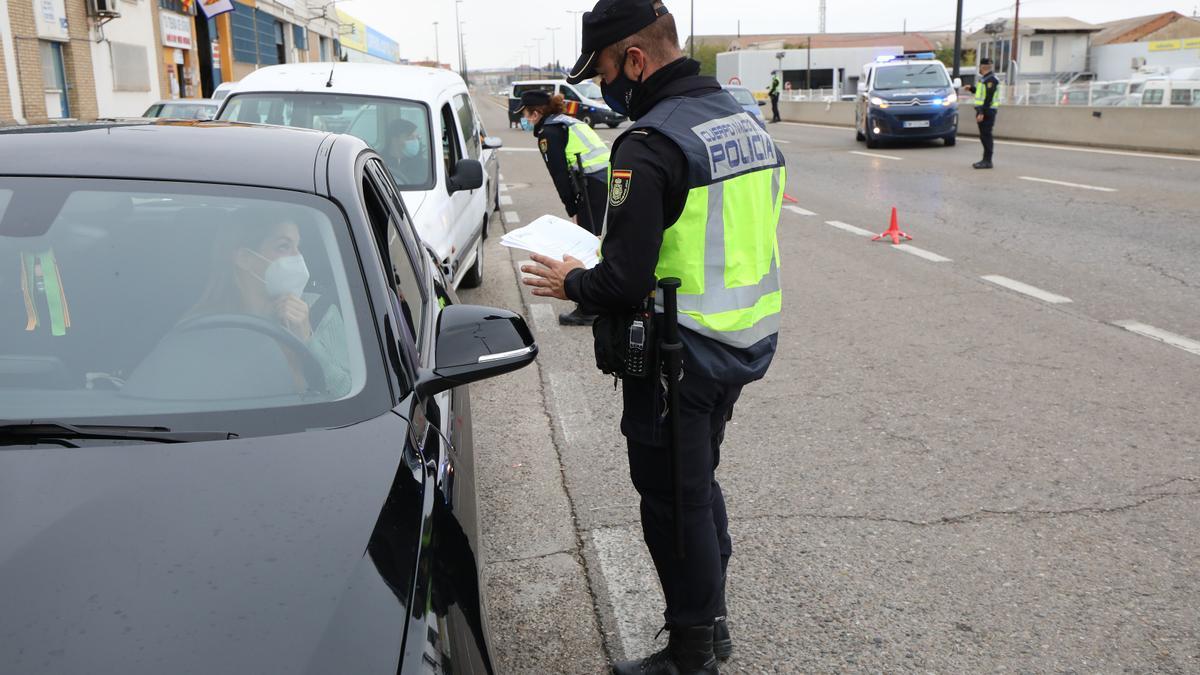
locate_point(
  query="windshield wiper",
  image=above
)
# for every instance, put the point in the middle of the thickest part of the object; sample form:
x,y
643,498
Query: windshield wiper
x,y
12,433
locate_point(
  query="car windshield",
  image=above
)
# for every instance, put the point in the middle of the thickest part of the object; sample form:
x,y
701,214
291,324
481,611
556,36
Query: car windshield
x,y
397,129
743,96
588,89
182,111
912,76
134,300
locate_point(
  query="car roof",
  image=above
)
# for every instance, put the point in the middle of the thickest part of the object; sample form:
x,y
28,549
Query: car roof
x,y
206,152
187,101
367,79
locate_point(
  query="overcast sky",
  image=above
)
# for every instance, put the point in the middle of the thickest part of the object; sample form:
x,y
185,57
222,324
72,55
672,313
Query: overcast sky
x,y
496,32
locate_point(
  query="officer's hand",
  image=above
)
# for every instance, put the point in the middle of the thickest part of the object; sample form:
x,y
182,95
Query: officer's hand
x,y
549,275
979,117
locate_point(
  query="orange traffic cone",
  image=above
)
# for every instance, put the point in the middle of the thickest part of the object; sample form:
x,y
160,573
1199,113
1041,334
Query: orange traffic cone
x,y
893,231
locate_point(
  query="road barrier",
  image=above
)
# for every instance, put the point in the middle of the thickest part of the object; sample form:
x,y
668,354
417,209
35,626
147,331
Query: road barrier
x,y
1164,129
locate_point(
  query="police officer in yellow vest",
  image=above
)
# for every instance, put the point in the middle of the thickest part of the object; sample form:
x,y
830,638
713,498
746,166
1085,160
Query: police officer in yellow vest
x,y
577,160
988,92
696,192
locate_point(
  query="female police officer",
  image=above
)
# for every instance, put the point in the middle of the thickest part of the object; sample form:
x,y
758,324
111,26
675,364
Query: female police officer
x,y
578,164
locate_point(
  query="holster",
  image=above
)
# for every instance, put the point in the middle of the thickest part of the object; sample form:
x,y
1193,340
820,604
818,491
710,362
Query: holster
x,y
626,343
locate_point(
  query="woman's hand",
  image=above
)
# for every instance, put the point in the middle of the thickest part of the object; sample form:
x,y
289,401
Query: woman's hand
x,y
292,312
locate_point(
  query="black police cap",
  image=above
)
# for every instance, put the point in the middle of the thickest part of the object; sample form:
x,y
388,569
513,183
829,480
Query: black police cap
x,y
534,98
985,62
609,22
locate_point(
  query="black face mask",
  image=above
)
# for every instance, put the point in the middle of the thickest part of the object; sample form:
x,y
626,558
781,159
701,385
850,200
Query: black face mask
x,y
620,92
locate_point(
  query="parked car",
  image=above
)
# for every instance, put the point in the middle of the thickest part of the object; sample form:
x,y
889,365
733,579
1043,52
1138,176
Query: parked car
x,y
908,96
191,484
746,99
421,120
222,91
1170,92
183,109
584,99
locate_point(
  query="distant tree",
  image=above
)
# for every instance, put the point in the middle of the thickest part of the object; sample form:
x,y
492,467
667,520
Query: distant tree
x,y
946,56
707,56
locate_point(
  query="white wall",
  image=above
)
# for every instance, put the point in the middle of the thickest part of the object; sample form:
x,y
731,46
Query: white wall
x,y
135,26
1113,62
753,67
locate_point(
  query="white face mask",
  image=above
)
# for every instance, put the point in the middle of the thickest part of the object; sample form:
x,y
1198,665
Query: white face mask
x,y
285,276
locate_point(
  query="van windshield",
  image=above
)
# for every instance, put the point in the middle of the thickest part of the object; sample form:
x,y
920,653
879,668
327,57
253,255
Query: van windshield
x,y
912,76
588,89
397,129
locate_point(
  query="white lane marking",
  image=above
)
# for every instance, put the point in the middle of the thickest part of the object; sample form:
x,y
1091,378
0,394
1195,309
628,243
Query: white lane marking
x,y
780,140
1186,344
503,187
518,149
816,126
505,200
1066,184
921,253
632,585
850,228
1031,291
799,211
1098,151
544,321
511,217
875,154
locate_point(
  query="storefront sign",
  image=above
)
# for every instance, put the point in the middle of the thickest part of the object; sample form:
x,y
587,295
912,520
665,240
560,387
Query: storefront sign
x,y
176,30
50,17
353,32
382,46
1191,43
1166,45
213,8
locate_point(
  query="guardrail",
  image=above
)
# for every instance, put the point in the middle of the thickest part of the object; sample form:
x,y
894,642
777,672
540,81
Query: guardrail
x,y
1151,129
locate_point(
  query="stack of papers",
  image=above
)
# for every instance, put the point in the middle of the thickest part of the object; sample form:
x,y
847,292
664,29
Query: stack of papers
x,y
555,237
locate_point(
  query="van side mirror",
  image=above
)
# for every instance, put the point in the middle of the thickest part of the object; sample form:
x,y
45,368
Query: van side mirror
x,y
958,83
468,175
474,343
493,142
862,87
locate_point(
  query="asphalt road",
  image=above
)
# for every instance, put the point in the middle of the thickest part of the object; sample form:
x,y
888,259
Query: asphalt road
x,y
938,474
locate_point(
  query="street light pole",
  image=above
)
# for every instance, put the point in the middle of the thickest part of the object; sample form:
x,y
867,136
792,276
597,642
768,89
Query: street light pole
x,y
539,54
958,40
437,54
692,39
458,25
554,49
575,33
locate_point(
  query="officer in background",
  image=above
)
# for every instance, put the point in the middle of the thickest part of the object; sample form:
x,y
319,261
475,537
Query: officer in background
x,y
696,192
987,100
577,160
773,92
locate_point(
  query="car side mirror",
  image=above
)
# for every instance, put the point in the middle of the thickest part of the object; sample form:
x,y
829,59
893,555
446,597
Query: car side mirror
x,y
474,343
862,88
493,142
761,103
958,83
468,175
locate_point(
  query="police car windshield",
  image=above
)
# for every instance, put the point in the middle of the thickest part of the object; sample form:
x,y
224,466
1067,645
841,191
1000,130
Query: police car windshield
x,y
185,306
911,76
396,129
743,96
588,89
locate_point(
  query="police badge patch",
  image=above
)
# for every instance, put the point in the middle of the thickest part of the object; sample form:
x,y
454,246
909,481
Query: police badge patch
x,y
543,145
621,182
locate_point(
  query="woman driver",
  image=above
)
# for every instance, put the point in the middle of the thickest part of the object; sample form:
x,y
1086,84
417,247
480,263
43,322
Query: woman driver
x,y
258,270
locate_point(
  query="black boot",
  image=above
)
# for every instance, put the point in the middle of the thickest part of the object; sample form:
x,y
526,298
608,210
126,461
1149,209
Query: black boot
x,y
985,164
576,317
722,643
689,652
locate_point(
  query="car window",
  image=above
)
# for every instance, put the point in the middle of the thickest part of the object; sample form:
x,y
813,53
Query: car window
x,y
410,291
743,96
911,76
588,89
569,94
1152,97
1181,97
143,299
451,147
519,89
466,122
397,129
185,111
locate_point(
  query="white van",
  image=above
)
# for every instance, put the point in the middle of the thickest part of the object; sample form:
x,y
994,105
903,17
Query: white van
x,y
421,120
590,106
1171,92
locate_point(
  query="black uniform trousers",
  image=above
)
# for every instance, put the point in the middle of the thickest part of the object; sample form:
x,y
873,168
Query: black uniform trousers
x,y
597,189
693,586
774,107
985,133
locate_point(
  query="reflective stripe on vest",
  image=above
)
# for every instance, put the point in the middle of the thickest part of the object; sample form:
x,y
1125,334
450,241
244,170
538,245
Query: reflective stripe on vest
x,y
981,94
723,247
582,140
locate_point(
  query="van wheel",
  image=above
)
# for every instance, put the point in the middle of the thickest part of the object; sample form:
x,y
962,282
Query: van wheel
x,y
950,140
587,119
858,135
474,277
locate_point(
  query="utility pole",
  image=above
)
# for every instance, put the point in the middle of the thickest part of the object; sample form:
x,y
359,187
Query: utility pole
x,y
574,32
539,52
437,54
692,40
821,17
958,40
462,48
458,26
808,71
554,50
1014,49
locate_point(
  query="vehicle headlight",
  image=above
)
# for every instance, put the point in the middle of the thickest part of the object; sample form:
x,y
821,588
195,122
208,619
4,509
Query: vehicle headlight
x,y
878,102
950,99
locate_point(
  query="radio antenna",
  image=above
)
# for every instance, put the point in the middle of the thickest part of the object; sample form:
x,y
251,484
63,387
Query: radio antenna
x,y
329,82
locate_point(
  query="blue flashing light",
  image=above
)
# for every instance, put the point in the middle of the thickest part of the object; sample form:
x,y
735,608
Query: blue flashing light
x,y
922,55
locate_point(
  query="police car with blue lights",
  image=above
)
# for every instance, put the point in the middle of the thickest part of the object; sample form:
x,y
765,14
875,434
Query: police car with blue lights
x,y
906,97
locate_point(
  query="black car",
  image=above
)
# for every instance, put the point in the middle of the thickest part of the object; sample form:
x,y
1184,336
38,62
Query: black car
x,y
235,435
